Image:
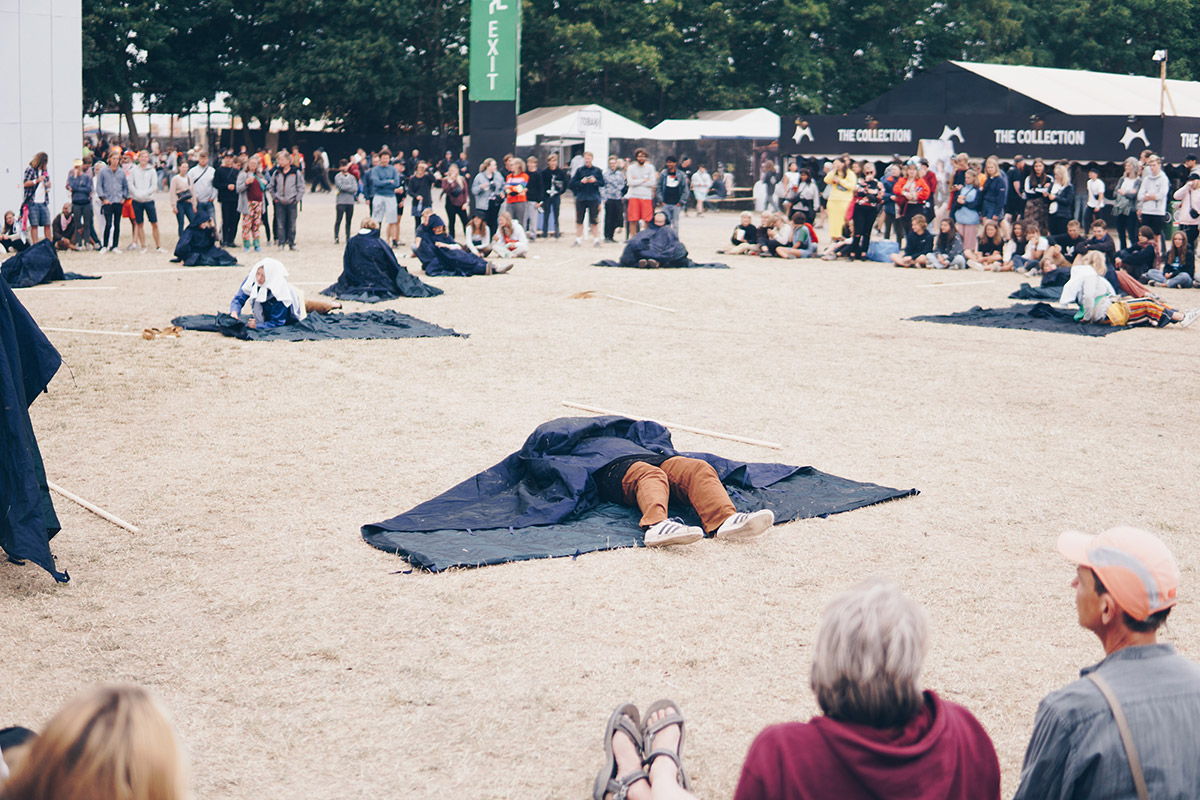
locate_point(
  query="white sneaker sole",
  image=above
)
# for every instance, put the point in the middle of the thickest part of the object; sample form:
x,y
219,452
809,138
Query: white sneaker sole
x,y
755,526
680,538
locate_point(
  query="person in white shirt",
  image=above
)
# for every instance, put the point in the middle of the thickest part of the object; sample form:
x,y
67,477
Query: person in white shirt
x,y
640,177
1187,213
1095,198
143,180
510,240
200,177
701,183
1152,199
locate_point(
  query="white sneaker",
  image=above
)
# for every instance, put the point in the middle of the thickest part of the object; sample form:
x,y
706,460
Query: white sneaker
x,y
159,250
1189,317
745,526
669,532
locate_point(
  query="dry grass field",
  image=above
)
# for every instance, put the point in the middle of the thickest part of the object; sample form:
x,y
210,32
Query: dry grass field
x,y
299,662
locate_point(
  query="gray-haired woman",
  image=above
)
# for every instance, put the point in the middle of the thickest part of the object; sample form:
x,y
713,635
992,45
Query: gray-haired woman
x,y
881,734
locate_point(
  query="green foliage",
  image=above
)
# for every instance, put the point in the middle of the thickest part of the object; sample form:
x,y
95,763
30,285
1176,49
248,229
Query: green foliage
x,y
396,64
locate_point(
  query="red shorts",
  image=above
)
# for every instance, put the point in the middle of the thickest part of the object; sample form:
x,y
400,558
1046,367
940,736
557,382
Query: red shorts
x,y
640,208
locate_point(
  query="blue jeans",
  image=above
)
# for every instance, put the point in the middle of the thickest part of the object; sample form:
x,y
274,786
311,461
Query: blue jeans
x,y
209,209
672,213
1179,280
183,217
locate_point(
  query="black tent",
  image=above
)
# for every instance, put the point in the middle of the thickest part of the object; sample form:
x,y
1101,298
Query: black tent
x,y
1008,109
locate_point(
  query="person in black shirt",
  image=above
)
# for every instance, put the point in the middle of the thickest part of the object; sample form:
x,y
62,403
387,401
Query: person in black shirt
x,y
989,251
1014,205
1101,241
744,238
225,181
1063,248
917,245
868,197
1139,258
535,193
554,183
649,482
1177,267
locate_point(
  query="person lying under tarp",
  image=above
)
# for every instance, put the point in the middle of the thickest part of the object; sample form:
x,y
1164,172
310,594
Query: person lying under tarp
x,y
656,246
579,484
1100,304
273,301
197,247
27,363
441,255
371,273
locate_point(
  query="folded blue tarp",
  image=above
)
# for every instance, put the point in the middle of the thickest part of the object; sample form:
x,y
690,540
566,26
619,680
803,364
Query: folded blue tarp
x,y
37,264
1037,317
541,502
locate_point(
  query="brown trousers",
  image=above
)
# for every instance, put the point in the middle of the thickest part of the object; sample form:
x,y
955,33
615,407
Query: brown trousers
x,y
688,480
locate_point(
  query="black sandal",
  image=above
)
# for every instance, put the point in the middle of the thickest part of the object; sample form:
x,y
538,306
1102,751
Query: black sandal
x,y
624,718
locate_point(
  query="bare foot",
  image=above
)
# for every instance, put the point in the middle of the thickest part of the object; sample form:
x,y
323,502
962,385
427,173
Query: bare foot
x,y
664,775
629,760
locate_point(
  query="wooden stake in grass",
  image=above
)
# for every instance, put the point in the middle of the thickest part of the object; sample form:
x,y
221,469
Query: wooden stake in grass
x,y
677,426
592,293
92,507
82,330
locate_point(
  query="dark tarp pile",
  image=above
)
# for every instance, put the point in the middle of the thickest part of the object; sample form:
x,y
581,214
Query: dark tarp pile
x,y
314,327
27,363
1038,317
37,264
659,244
541,501
371,273
197,247
1039,293
453,260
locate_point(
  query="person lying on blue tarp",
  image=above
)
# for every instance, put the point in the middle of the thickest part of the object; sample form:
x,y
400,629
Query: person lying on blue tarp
x,y
197,247
648,481
274,301
441,255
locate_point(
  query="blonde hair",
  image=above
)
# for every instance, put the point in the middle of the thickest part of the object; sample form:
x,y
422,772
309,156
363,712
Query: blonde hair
x,y
111,743
1095,260
871,645
1062,173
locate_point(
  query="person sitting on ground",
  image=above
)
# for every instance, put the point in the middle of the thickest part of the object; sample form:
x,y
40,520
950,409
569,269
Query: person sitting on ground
x,y
441,255
510,240
779,236
1063,249
112,742
880,734
1138,259
947,248
479,240
804,242
1101,242
1014,245
274,301
1099,303
198,245
918,244
1129,726
1035,248
744,238
990,249
656,246
11,236
1177,266
371,273
65,228
841,248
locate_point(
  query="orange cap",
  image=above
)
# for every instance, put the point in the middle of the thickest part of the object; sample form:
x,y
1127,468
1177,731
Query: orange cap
x,y
1135,566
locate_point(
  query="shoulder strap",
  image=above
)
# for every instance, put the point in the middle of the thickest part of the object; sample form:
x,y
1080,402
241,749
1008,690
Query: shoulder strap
x,y
1135,764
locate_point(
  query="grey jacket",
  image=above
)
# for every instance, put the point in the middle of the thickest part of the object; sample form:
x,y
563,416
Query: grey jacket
x,y
347,186
111,186
288,188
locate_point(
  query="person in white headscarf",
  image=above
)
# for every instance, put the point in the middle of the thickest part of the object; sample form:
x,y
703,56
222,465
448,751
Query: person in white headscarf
x,y
273,301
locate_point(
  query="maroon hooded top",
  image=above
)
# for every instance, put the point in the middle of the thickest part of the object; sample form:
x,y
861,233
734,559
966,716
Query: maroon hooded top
x,y
942,753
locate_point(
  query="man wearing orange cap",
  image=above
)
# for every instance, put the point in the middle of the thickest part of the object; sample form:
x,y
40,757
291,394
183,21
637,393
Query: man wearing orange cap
x,y
1130,726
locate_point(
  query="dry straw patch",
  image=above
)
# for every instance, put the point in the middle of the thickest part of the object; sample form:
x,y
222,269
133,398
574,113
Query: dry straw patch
x,y
298,662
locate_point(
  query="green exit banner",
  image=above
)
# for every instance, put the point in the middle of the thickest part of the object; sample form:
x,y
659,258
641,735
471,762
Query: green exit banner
x,y
495,49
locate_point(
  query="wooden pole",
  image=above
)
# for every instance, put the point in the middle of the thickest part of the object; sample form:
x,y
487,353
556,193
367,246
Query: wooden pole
x,y
102,333
677,426
639,303
95,509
